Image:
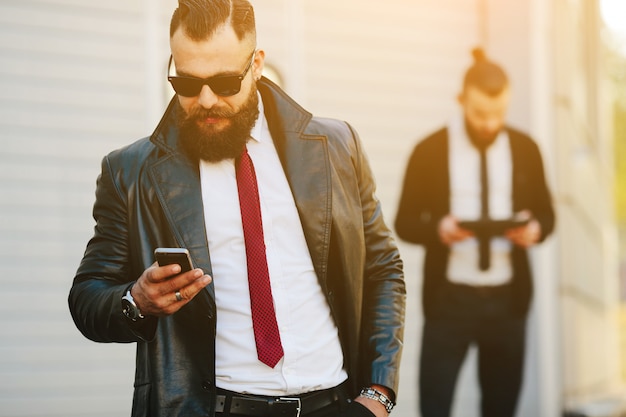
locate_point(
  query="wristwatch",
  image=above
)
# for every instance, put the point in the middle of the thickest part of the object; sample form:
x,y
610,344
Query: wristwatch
x,y
374,394
130,308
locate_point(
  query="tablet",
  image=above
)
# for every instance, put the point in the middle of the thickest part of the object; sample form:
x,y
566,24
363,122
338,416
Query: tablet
x,y
493,227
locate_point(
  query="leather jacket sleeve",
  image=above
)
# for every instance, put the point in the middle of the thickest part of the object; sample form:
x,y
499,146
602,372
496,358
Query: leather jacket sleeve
x,y
384,293
106,272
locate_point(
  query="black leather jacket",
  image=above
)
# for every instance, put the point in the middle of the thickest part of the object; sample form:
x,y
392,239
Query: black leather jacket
x,y
148,195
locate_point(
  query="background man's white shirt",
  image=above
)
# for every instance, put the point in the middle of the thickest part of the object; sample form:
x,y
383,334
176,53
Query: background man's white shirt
x,y
465,204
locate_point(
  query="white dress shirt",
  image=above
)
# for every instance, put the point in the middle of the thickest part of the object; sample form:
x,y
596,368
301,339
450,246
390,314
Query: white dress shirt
x,y
313,357
465,204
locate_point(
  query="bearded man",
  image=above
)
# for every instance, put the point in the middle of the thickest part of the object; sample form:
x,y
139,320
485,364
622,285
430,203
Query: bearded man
x,y
294,305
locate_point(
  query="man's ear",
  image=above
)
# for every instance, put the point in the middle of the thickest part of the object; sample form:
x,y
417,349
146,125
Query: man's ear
x,y
258,64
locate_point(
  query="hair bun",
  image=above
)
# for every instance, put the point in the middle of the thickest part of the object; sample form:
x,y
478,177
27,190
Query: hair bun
x,y
479,55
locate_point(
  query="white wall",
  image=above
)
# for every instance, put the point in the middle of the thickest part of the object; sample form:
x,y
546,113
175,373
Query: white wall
x,y
588,248
72,87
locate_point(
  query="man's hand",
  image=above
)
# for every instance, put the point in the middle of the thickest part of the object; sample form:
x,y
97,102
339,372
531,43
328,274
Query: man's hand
x,y
374,406
155,291
450,232
525,236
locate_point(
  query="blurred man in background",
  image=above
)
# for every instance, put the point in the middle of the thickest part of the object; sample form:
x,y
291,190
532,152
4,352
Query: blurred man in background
x,y
475,196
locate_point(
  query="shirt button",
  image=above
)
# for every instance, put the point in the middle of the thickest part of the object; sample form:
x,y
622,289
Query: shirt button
x,y
206,385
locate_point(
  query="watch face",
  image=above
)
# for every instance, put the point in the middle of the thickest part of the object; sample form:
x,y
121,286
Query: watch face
x,y
129,309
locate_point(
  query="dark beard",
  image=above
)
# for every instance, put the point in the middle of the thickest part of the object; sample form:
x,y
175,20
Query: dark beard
x,y
480,140
204,142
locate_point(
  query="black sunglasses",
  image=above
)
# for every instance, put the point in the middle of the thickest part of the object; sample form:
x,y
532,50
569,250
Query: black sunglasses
x,y
221,85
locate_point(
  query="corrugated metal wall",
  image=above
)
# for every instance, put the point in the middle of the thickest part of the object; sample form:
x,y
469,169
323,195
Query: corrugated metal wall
x,y
72,87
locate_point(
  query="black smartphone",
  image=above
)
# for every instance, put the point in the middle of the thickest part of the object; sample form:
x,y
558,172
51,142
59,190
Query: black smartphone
x,y
169,256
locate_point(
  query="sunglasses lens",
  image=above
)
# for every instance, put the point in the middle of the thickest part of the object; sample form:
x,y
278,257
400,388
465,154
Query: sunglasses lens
x,y
191,87
186,87
225,86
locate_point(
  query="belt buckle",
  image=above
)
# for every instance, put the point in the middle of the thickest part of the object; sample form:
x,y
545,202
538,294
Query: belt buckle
x,y
291,400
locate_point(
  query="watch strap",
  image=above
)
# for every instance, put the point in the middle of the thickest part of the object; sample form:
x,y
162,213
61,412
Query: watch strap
x,y
374,394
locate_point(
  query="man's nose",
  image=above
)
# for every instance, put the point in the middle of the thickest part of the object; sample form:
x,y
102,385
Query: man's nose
x,y
207,97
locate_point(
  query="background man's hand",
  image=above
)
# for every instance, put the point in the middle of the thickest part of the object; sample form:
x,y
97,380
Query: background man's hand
x,y
155,291
450,231
525,236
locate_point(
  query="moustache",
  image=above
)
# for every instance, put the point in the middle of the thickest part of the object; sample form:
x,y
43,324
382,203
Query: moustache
x,y
201,114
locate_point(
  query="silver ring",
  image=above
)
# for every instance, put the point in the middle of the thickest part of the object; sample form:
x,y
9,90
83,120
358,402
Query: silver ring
x,y
178,296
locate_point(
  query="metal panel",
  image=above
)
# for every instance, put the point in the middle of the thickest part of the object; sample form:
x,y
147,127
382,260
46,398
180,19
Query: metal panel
x,y
71,88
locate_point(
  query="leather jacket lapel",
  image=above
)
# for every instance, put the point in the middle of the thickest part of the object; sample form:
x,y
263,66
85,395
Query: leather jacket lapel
x,y
309,179
178,186
306,164
176,182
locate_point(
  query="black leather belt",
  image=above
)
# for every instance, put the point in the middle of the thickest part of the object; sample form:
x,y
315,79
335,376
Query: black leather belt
x,y
228,402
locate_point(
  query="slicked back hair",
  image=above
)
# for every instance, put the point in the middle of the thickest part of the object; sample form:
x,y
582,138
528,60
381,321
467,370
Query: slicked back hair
x,y
200,19
485,75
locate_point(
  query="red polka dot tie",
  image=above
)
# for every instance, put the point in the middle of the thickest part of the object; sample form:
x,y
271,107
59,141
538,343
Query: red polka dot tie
x,y
267,337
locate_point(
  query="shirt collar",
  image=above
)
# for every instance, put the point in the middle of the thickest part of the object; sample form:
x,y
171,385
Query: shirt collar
x,y
261,123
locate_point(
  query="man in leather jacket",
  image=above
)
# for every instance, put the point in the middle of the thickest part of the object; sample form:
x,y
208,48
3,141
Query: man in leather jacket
x,y
335,271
